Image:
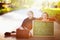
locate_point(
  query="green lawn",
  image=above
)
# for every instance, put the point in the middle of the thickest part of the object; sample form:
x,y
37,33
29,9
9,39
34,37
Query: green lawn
x,y
3,11
52,11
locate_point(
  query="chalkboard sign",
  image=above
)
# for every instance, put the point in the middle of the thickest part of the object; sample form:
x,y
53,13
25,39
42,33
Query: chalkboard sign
x,y
41,28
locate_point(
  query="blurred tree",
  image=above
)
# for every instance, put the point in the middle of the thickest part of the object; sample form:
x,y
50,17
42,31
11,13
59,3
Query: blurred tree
x,y
21,3
14,5
0,0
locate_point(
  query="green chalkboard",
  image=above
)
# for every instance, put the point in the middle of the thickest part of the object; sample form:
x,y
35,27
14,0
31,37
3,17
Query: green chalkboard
x,y
41,28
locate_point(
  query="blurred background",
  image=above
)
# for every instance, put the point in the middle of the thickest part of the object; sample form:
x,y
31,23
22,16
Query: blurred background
x,y
10,5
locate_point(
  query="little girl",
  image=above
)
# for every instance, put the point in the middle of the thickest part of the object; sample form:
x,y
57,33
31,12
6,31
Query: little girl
x,y
45,17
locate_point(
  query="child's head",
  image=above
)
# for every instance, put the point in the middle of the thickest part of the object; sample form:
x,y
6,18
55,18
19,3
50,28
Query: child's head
x,y
45,15
30,14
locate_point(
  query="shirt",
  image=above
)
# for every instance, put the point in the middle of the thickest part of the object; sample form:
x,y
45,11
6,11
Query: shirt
x,y
27,23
